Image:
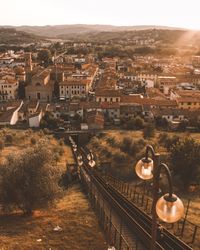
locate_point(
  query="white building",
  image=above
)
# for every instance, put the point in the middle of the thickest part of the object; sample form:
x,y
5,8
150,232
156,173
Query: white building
x,y
34,120
69,89
8,89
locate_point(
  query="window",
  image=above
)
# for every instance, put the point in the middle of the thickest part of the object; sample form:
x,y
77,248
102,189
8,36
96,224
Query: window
x,y
189,103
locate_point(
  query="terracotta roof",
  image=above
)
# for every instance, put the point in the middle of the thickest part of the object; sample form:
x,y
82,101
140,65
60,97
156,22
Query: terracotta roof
x,y
177,112
73,82
188,99
7,115
108,93
147,101
113,105
188,93
89,105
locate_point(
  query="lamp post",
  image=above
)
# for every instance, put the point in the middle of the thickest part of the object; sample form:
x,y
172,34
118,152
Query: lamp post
x,y
80,160
91,160
169,207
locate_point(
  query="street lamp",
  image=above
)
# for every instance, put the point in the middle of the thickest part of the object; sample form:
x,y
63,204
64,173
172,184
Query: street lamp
x,y
91,160
74,147
169,207
80,160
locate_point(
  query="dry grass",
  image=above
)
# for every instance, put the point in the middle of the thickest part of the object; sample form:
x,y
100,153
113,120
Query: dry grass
x,y
67,157
22,140
80,230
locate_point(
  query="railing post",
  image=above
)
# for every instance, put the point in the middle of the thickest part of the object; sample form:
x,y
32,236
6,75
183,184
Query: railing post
x,y
186,213
120,235
194,234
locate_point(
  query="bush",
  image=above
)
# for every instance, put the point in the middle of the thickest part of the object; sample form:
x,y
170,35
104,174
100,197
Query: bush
x,y
61,142
182,125
185,160
139,123
171,141
135,123
163,138
9,139
33,141
1,145
119,157
149,131
29,181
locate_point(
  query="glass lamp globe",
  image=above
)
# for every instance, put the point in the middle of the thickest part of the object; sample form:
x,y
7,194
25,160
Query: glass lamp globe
x,y
92,163
80,163
89,157
169,209
144,168
79,157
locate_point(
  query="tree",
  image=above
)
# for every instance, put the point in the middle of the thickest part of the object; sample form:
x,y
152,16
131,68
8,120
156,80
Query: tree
x,y
44,56
139,122
21,90
48,121
161,122
135,123
29,180
149,131
182,125
184,156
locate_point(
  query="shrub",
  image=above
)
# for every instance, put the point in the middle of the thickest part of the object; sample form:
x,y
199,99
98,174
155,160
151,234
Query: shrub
x,y
1,144
119,157
127,145
135,123
29,180
139,123
33,141
61,142
171,141
149,131
9,139
185,160
163,138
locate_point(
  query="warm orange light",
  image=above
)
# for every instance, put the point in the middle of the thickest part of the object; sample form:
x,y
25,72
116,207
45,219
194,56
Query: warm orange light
x,y
144,168
168,209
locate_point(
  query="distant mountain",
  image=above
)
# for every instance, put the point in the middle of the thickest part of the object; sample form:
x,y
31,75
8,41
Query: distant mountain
x,y
69,30
15,37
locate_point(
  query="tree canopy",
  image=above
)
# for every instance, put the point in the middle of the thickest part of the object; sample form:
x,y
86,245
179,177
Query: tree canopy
x,y
29,180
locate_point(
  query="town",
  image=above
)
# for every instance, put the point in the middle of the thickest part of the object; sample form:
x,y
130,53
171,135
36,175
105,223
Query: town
x,y
71,86
94,128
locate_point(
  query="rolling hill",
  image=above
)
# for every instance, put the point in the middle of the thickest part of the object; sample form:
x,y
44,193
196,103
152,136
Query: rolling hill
x,y
15,37
77,29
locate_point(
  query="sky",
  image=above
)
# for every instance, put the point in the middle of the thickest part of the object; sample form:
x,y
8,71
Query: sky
x,y
175,13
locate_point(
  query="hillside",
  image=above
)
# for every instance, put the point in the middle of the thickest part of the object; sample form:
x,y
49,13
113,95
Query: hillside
x,y
73,214
65,30
12,36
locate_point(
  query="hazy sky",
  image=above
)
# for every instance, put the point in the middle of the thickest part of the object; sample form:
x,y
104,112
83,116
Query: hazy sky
x,y
178,13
